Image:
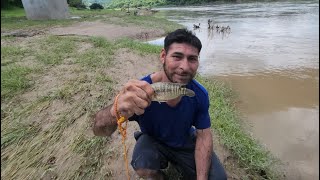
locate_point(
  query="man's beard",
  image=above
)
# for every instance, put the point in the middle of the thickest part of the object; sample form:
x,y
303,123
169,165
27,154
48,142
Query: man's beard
x,y
170,75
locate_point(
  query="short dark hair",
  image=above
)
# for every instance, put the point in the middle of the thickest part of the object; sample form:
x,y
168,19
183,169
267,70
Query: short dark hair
x,y
182,36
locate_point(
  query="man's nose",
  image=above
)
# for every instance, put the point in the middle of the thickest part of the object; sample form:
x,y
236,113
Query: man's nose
x,y
184,64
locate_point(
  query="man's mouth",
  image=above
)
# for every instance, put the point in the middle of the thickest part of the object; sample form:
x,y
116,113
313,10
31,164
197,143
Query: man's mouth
x,y
183,77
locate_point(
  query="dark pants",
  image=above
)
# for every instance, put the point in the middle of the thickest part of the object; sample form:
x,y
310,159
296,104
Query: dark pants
x,y
151,154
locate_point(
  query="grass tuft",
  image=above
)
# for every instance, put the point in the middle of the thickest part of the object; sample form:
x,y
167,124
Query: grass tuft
x,y
17,133
11,54
101,42
14,80
54,50
140,47
93,150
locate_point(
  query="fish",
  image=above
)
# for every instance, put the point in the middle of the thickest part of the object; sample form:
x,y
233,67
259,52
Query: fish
x,y
165,91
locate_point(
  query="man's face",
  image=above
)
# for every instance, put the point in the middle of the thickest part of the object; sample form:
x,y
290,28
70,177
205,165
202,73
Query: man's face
x,y
180,63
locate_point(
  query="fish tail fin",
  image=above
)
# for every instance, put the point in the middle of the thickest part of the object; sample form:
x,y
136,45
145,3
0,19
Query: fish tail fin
x,y
190,93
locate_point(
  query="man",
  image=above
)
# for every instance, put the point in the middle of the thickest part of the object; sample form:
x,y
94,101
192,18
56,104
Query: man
x,y
177,131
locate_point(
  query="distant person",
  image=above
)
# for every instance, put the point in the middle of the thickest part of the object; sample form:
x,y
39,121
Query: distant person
x,y
177,131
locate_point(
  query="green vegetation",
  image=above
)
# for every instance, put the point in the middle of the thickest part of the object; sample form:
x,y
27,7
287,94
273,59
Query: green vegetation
x,y
13,80
9,4
156,3
16,19
141,48
135,3
93,150
27,135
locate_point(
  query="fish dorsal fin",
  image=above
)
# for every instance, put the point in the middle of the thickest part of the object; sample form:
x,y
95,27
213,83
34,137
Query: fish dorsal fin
x,y
178,84
181,84
169,83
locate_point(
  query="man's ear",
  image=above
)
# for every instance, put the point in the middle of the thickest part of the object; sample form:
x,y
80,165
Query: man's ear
x,y
163,55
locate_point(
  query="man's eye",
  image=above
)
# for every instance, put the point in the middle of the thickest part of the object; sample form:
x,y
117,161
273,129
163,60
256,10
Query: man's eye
x,y
193,59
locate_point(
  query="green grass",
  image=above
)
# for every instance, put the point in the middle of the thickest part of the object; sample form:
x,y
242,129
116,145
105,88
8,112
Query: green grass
x,y
17,133
101,42
100,78
255,158
13,12
94,58
13,23
93,149
54,50
140,47
11,54
100,55
16,19
25,143
14,80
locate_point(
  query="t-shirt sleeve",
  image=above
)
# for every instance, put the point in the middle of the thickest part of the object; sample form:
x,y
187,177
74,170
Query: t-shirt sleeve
x,y
202,119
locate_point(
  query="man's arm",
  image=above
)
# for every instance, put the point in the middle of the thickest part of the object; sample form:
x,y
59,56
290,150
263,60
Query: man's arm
x,y
203,153
104,122
133,99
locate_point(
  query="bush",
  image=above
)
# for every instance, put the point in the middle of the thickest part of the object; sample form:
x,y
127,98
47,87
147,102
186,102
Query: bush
x,y
81,6
96,6
73,3
77,4
6,4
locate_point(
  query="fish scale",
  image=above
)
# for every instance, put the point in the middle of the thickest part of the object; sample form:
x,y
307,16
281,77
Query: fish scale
x,y
165,91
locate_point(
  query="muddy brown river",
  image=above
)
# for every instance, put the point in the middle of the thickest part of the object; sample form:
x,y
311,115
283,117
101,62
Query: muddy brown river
x,y
270,58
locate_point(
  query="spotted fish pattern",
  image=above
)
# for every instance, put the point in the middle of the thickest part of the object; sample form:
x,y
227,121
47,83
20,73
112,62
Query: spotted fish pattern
x,y
165,91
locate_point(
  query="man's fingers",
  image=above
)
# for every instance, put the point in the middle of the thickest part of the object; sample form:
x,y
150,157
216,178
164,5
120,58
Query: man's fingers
x,y
145,86
125,110
139,89
134,98
129,110
138,111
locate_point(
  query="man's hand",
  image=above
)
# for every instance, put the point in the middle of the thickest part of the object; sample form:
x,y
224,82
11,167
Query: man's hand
x,y
134,97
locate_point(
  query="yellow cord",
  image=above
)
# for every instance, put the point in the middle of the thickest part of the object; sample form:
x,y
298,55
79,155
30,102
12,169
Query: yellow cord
x,y
123,132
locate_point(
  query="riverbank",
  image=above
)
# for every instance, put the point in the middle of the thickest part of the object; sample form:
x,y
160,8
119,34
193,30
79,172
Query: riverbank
x,y
54,77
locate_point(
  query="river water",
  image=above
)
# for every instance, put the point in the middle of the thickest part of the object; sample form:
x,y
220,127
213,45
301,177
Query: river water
x,y
270,58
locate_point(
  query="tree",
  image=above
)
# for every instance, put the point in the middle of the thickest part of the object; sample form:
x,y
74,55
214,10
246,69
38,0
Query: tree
x,y
5,4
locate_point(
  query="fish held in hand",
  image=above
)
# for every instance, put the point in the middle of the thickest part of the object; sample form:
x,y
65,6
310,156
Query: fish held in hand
x,y
165,91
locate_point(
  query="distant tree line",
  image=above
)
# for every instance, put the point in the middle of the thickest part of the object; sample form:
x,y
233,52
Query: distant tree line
x,y
99,4
135,3
7,4
153,3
